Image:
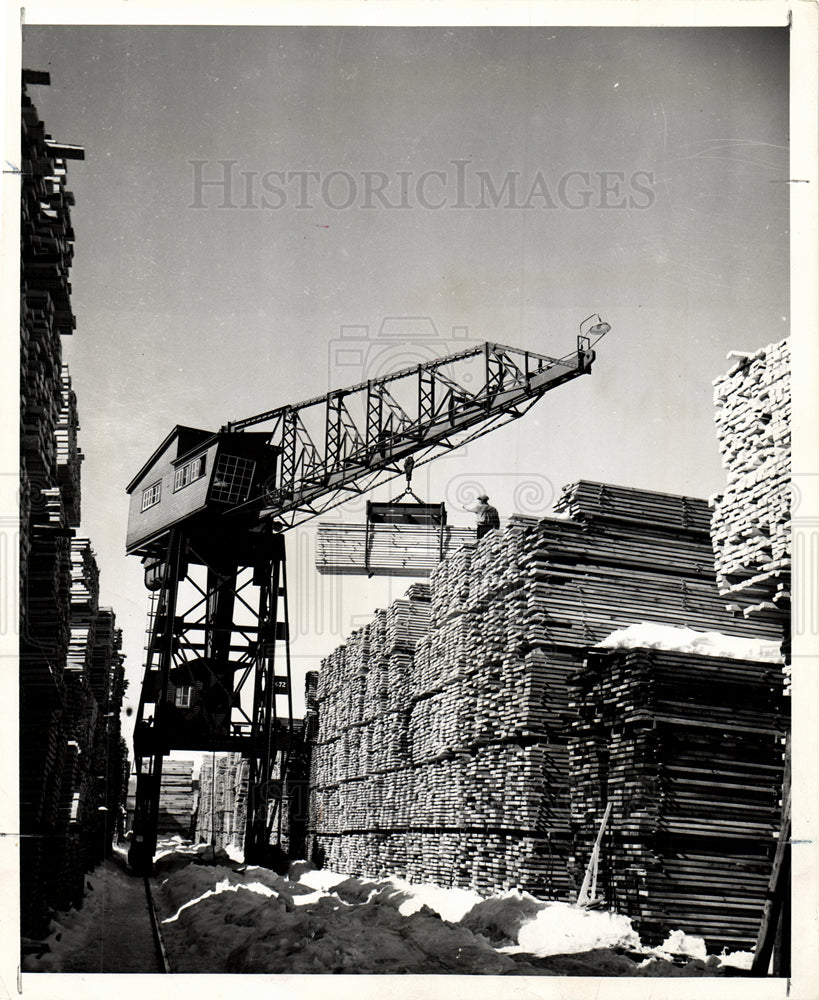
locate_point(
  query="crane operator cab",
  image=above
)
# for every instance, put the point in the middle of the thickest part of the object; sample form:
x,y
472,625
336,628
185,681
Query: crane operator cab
x,y
192,476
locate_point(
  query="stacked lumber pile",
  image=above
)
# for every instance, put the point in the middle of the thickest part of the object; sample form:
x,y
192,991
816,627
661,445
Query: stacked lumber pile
x,y
46,872
689,752
72,773
105,652
386,549
455,729
46,596
85,590
222,786
221,810
46,252
109,754
751,520
176,798
69,457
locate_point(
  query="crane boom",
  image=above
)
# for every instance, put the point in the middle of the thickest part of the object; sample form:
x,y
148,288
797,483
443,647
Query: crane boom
x,y
359,435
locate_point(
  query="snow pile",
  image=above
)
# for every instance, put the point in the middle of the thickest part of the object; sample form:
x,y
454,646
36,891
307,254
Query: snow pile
x,y
72,932
650,635
217,916
234,852
323,921
210,925
561,929
406,897
324,879
520,923
223,886
737,959
176,845
328,922
679,943
515,920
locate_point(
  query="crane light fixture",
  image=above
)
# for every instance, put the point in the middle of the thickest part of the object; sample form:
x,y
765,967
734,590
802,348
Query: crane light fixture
x,y
588,338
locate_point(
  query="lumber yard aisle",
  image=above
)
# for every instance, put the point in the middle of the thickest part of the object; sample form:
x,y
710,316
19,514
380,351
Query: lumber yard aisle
x,y
445,727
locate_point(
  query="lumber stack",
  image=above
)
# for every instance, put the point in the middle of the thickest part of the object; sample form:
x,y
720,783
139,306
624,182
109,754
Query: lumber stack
x,y
69,457
689,752
176,798
221,812
46,767
46,596
72,767
751,520
105,652
84,605
386,549
455,730
222,784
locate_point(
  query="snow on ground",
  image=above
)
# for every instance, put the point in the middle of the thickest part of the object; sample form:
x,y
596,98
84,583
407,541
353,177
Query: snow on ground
x,y
737,959
650,635
110,933
561,929
219,916
176,845
227,918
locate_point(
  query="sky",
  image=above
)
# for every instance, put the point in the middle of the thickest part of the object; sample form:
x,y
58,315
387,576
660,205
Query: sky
x,y
395,193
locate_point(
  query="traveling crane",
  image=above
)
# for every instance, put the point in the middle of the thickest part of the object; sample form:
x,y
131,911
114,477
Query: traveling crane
x,y
207,515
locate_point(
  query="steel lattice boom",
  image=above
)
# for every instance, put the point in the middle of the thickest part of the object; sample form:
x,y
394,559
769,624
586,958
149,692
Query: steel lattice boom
x,y
351,440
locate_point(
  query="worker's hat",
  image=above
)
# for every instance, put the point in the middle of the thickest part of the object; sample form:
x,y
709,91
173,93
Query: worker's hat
x,y
483,496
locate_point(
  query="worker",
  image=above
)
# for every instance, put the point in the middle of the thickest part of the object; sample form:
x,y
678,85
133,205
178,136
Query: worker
x,y
488,519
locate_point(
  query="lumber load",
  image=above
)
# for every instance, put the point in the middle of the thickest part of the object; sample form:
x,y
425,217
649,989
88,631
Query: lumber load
x,y
688,750
448,719
751,519
386,549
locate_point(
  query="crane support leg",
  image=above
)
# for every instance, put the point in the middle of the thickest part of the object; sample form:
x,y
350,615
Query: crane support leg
x,y
149,747
272,719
